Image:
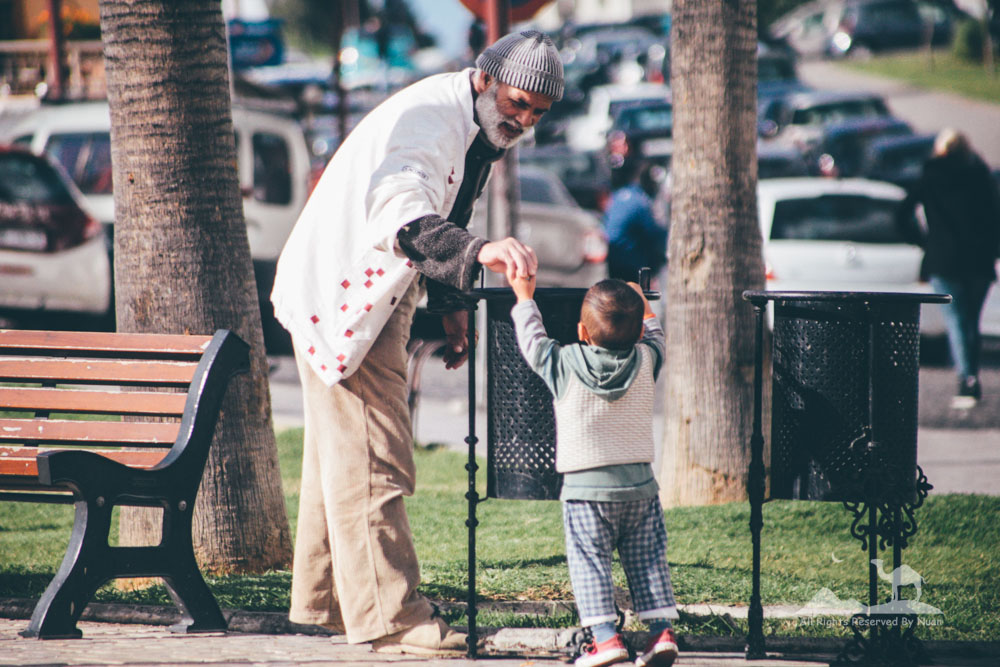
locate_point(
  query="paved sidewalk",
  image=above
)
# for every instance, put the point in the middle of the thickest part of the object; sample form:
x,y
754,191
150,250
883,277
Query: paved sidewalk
x,y
120,644
128,644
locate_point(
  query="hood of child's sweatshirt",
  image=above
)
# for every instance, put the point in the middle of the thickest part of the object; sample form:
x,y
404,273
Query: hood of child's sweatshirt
x,y
609,373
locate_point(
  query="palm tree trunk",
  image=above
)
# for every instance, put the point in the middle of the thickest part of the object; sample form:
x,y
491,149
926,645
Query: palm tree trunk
x,y
182,260
714,253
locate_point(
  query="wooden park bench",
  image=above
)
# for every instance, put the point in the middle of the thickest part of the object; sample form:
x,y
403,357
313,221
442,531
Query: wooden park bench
x,y
103,420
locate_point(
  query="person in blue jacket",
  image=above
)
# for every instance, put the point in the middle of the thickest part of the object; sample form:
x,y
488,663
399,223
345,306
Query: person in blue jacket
x,y
635,238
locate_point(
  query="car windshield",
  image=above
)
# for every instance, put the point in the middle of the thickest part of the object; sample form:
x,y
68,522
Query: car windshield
x,y
539,190
567,165
905,162
27,179
658,118
823,114
86,157
837,217
616,107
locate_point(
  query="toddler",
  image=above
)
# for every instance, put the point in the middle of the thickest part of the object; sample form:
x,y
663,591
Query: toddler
x,y
603,389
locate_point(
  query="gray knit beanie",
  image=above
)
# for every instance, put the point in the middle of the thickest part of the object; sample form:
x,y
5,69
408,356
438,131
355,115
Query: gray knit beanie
x,y
527,60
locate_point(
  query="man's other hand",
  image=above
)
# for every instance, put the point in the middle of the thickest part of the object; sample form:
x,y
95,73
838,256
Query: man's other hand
x,y
456,328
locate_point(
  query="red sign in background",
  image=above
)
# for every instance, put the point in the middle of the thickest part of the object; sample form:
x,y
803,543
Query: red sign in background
x,y
520,10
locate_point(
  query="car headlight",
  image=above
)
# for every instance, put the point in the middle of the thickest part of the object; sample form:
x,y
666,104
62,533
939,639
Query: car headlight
x,y
842,41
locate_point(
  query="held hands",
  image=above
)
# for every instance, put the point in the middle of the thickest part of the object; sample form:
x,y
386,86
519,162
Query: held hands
x,y
510,257
524,288
648,312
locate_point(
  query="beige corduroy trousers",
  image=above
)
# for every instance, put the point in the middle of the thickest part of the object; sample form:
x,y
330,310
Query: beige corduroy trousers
x,y
355,567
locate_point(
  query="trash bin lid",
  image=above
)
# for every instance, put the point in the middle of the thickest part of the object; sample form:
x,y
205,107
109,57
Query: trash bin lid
x,y
759,297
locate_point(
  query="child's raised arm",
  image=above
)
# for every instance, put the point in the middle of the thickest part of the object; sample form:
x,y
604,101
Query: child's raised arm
x,y
524,288
648,312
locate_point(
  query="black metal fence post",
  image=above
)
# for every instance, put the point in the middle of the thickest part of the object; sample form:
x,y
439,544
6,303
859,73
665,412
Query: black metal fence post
x,y
471,495
755,638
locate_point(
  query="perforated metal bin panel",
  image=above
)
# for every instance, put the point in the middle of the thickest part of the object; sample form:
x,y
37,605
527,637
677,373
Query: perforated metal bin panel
x,y
845,374
521,428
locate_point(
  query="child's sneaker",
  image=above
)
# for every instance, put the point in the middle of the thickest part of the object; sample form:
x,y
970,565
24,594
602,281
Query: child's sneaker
x,y
661,651
605,653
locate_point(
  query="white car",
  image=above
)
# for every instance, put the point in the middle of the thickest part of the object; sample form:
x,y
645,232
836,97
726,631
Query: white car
x,y
274,164
53,254
823,234
588,132
274,175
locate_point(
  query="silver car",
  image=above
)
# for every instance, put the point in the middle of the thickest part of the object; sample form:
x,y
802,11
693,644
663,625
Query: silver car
x,y
569,240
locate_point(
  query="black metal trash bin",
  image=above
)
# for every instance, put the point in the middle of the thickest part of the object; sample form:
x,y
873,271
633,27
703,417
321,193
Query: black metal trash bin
x,y
520,426
845,375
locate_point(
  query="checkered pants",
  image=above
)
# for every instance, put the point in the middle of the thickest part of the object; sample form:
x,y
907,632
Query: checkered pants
x,y
594,529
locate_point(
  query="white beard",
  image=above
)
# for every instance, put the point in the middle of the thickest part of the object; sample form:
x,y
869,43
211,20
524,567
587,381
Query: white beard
x,y
490,119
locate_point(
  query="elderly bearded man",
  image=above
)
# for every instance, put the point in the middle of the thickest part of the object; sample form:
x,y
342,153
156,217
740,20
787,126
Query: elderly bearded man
x,y
388,219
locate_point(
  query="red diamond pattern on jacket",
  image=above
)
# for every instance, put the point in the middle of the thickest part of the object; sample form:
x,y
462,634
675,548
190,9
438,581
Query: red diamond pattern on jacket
x,y
341,357
368,307
348,333
315,319
341,368
380,272
345,284
322,367
369,272
312,350
344,308
368,283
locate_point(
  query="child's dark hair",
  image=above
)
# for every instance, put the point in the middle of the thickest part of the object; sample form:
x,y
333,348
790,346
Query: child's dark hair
x,y
612,313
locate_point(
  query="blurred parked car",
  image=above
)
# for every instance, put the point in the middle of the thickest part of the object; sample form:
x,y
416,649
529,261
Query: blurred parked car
x,y
841,27
841,235
798,119
53,254
644,130
780,162
274,175
585,174
898,160
588,131
842,148
569,241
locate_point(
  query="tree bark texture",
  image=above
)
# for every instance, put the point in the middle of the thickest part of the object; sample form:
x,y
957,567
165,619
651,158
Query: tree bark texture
x,y
714,253
182,259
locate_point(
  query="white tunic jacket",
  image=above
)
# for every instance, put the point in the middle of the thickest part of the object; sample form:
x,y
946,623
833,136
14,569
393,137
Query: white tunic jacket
x,y
341,273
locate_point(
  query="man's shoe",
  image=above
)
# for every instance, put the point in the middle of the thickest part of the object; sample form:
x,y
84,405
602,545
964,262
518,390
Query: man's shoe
x,y
606,653
661,651
433,637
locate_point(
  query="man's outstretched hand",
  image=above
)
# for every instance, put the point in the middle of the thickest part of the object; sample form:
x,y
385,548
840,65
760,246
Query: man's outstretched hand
x,y
510,257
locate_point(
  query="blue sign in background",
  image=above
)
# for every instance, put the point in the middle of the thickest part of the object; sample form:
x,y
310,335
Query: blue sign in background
x,y
255,43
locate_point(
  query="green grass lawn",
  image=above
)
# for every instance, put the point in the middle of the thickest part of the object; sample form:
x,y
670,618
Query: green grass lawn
x,y
806,547
942,71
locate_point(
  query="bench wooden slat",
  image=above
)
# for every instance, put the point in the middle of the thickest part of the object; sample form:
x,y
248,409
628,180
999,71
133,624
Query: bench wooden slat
x,y
94,341
96,402
96,371
21,461
88,433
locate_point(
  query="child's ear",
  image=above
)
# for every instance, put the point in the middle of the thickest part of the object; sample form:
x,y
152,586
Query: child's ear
x,y
581,333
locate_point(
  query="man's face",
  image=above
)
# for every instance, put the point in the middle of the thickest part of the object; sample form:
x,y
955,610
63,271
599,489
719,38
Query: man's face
x,y
505,113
